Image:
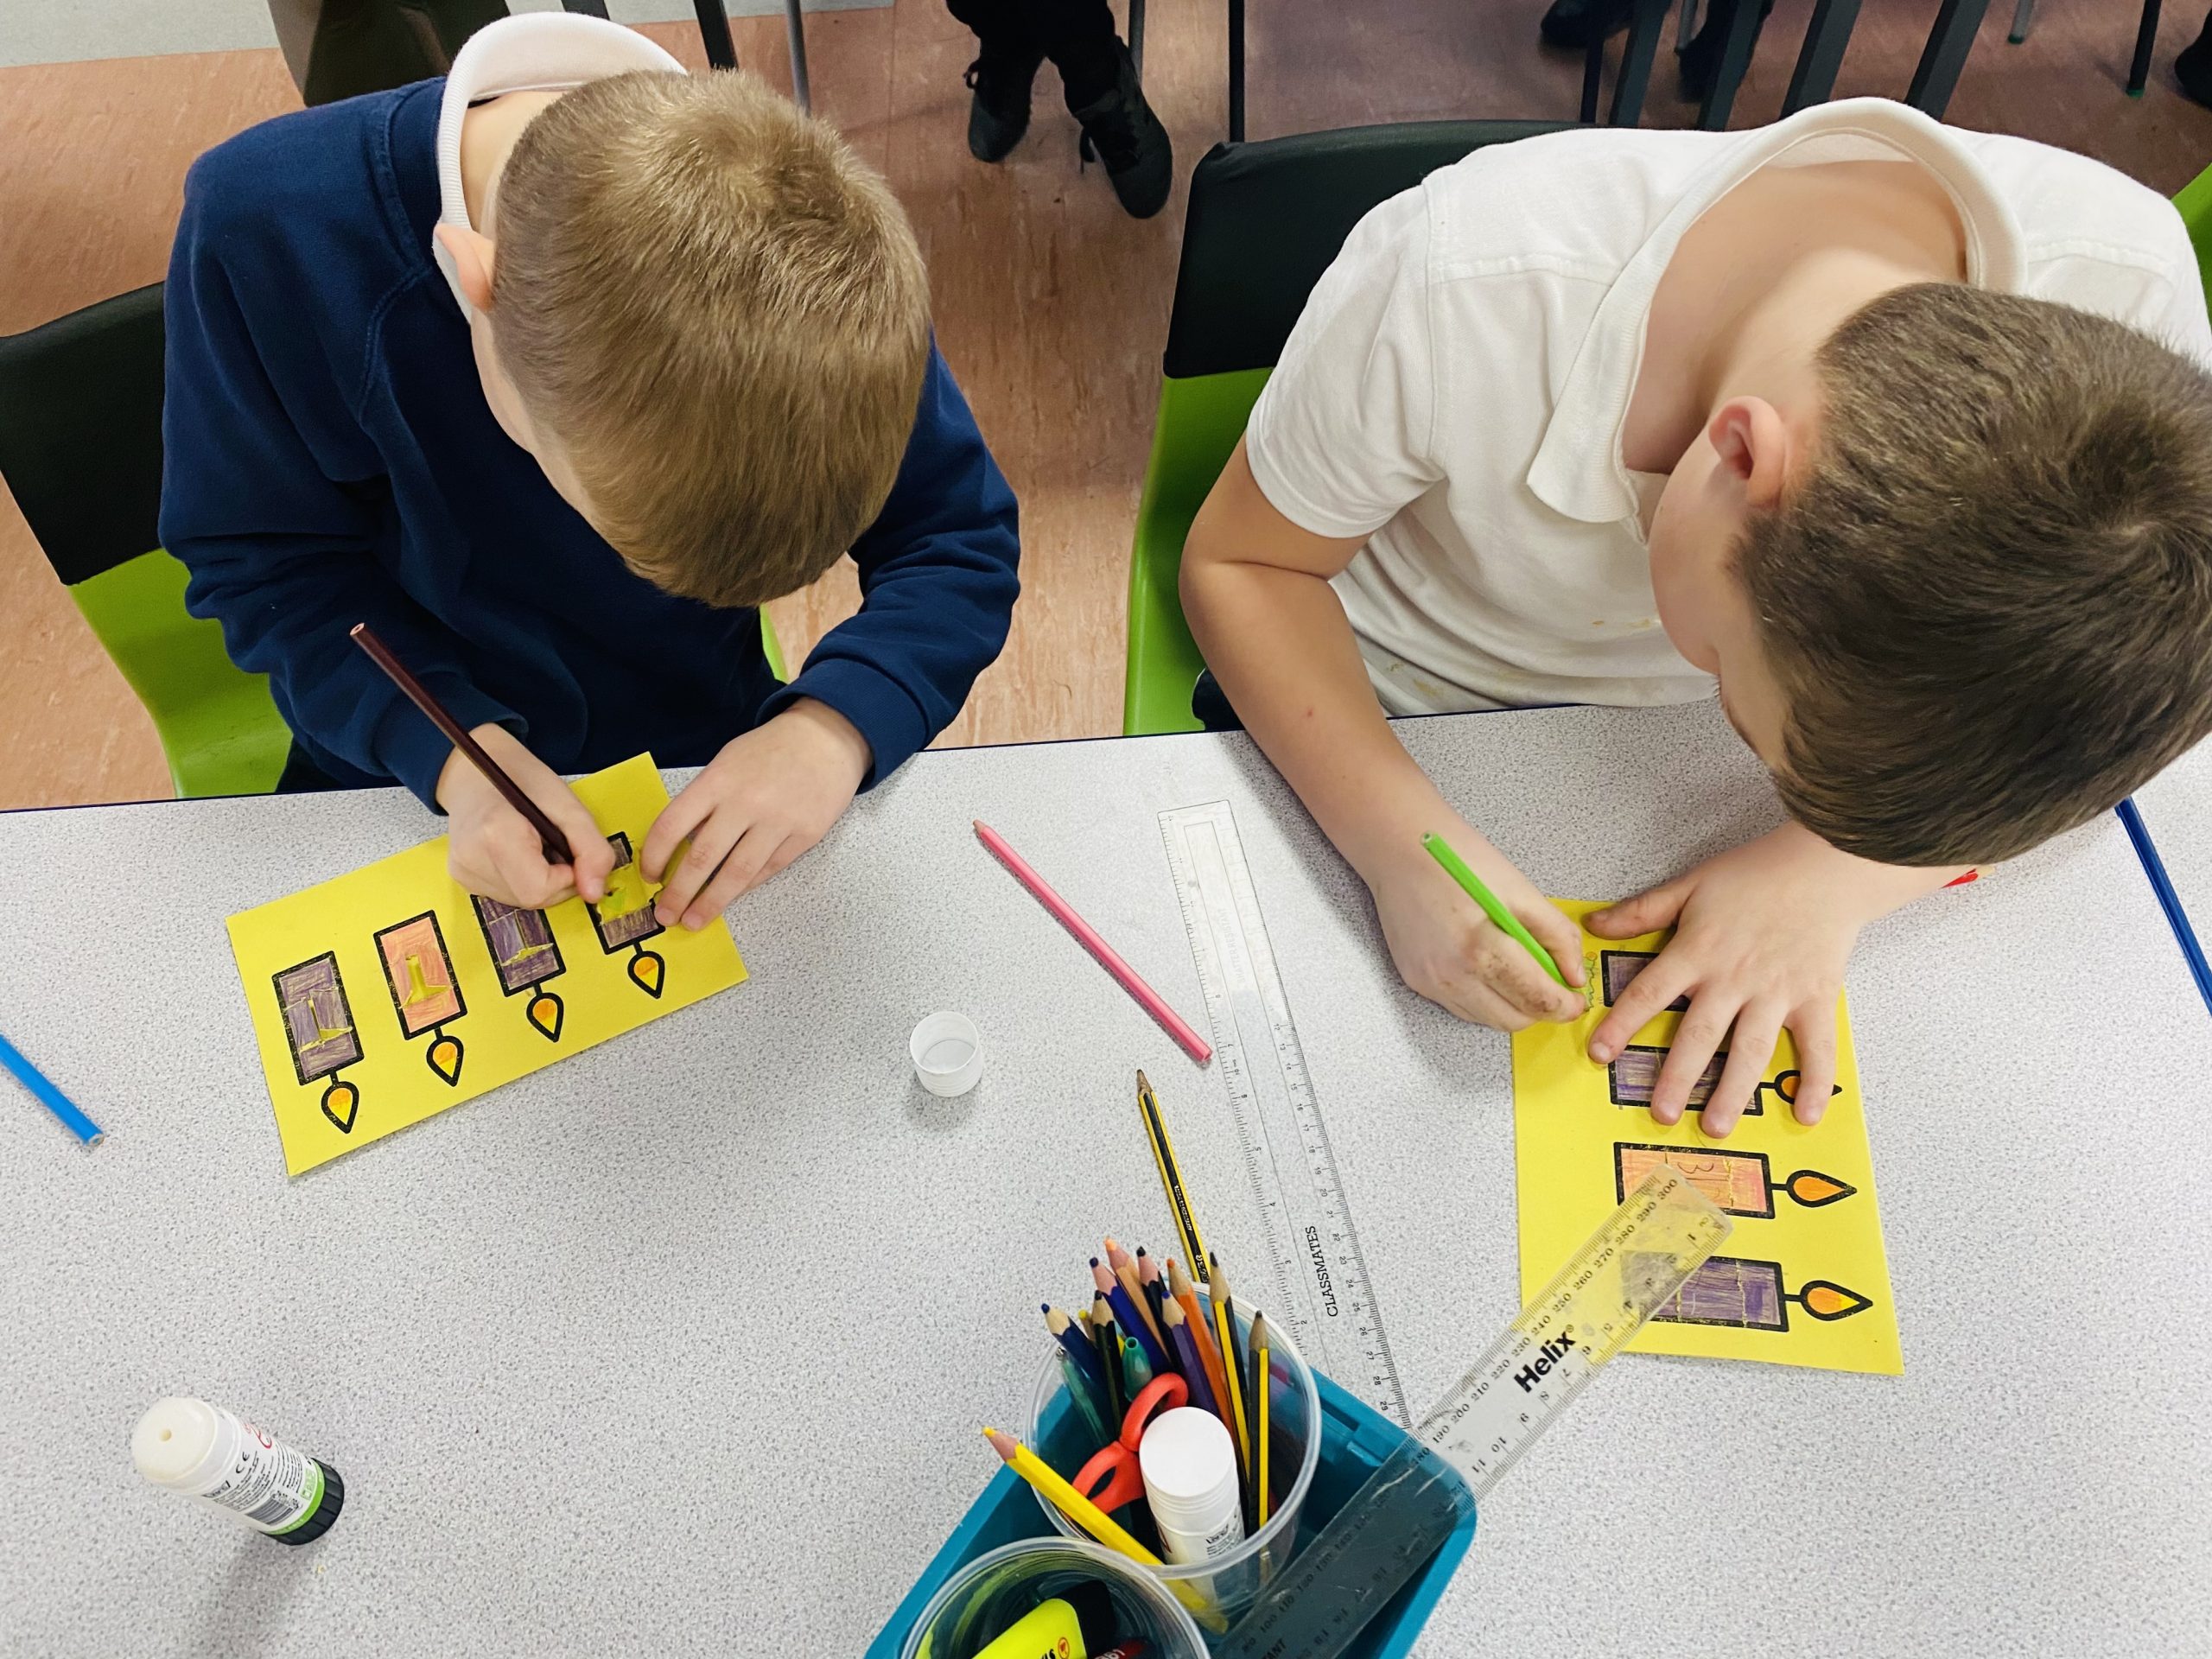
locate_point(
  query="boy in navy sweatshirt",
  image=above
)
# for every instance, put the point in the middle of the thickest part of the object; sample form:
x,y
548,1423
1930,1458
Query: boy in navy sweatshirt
x,y
552,371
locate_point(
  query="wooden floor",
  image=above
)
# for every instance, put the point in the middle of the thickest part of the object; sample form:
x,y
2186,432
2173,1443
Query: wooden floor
x,y
1051,305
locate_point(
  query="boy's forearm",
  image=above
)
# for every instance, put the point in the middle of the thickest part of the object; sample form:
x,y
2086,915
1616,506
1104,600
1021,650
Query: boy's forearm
x,y
1884,887
1278,642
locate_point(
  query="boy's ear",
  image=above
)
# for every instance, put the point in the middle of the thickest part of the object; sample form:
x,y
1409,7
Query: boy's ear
x,y
471,253
1753,443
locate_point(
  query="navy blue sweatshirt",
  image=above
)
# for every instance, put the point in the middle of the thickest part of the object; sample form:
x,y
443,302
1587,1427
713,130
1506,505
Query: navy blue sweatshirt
x,y
331,459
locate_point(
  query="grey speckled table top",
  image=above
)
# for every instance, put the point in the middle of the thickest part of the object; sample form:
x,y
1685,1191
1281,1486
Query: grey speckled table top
x,y
621,1359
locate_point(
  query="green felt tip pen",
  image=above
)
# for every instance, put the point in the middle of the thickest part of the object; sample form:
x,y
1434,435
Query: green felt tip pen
x,y
1493,906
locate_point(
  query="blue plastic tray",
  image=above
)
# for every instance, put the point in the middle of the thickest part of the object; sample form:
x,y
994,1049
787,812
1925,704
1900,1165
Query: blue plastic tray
x,y
1354,1442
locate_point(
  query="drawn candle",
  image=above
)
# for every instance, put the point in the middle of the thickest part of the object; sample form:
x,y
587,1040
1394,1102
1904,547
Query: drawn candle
x,y
1737,1182
625,918
319,1031
524,955
1733,1291
1632,1077
425,991
1616,969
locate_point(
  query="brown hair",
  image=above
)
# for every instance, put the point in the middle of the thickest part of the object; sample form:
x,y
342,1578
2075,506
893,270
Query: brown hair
x,y
1988,602
719,315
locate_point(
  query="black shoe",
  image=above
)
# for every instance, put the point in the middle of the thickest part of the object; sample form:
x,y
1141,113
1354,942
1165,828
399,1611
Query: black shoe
x,y
1699,62
999,114
2193,66
1121,129
1575,23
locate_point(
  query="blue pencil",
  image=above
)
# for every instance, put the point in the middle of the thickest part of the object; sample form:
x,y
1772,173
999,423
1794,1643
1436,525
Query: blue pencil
x,y
51,1097
1133,1322
1082,1349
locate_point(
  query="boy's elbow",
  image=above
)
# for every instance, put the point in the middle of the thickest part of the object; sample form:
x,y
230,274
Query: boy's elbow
x,y
1198,581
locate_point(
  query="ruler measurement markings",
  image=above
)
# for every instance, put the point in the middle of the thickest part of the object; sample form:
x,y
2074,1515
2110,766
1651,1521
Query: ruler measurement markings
x,y
1320,1277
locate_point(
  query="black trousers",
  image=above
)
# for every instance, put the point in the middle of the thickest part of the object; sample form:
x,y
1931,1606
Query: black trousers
x,y
1077,36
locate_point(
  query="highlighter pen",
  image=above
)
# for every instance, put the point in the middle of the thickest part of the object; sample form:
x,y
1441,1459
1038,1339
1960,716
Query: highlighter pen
x,y
1456,868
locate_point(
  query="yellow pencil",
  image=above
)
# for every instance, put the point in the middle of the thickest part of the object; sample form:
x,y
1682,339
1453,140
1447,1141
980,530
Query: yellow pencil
x,y
1088,1516
1238,1432
1262,1387
1064,1497
1171,1175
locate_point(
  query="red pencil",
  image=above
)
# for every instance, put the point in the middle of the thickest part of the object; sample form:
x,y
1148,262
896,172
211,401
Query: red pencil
x,y
1088,937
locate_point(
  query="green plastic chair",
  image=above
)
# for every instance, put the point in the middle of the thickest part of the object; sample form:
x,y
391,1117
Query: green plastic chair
x,y
80,447
1265,220
2194,201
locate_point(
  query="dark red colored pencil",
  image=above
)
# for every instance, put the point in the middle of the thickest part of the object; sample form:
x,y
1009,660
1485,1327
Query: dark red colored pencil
x,y
557,850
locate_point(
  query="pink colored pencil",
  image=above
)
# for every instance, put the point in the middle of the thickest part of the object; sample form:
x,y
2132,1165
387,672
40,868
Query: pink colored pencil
x,y
1087,936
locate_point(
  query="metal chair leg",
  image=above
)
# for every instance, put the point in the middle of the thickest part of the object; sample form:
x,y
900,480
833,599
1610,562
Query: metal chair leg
x,y
713,31
1948,43
2023,16
1686,25
2146,37
1735,58
1812,81
1236,72
1646,24
795,33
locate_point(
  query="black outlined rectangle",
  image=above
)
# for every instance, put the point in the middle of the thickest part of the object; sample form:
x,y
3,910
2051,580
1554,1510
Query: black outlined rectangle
x,y
318,1019
406,940
523,950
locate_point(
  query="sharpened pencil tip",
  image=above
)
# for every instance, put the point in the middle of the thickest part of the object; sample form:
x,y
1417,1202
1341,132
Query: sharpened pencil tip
x,y
1004,1445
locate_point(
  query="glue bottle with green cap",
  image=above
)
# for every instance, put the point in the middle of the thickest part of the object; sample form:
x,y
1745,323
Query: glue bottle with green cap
x,y
216,1456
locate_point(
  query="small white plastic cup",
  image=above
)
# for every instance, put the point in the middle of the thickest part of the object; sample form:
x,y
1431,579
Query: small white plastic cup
x,y
948,1054
989,1594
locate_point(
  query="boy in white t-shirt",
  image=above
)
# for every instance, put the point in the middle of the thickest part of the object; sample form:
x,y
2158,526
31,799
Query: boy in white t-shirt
x,y
1895,435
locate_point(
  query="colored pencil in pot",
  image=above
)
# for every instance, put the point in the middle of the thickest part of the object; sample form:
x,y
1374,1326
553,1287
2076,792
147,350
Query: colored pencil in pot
x,y
1224,1325
1186,1296
1125,1274
1125,1310
1155,1299
1186,1351
1078,1345
1262,1394
1110,1356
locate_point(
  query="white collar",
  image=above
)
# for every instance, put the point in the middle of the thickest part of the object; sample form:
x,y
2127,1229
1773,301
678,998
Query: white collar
x,y
1593,403
530,51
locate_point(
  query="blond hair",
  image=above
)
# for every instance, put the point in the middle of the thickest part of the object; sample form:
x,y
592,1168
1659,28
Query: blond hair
x,y
719,315
1989,605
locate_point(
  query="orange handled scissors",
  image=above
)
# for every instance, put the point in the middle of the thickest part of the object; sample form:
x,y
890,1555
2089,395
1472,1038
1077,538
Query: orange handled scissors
x,y
1112,1478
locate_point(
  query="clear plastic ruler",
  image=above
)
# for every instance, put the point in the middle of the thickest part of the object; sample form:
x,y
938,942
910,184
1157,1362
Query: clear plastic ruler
x,y
1386,1530
1319,1280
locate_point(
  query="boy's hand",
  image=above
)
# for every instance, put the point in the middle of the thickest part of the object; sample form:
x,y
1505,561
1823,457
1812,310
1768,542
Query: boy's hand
x,y
1452,953
1762,935
764,799
492,850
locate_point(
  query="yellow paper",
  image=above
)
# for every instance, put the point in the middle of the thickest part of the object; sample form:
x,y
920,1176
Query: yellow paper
x,y
386,995
1802,1279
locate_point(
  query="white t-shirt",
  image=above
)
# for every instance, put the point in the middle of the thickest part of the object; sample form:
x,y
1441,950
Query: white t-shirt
x,y
1455,389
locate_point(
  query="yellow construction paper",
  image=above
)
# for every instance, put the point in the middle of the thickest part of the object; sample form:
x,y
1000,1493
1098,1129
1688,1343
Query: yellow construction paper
x,y
1802,1279
382,997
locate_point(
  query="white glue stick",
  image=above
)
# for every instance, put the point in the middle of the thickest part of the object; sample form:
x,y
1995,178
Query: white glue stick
x,y
206,1453
1189,1466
